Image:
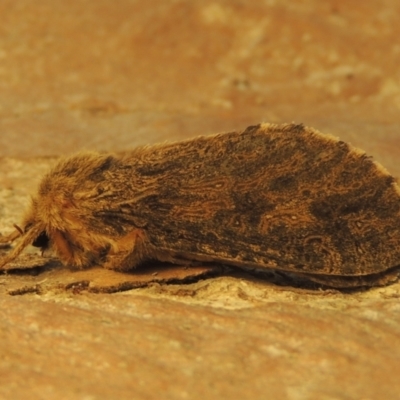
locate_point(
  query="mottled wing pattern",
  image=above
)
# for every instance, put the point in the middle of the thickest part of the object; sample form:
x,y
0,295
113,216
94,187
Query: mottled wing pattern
x,y
284,197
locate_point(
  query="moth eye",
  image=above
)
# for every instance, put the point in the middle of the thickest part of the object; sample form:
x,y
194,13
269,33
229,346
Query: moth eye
x,y
41,241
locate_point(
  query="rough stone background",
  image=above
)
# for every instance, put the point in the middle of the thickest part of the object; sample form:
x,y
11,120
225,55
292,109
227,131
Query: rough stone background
x,y
110,75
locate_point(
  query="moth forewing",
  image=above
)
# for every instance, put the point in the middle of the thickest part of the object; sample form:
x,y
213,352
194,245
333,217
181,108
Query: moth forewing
x,y
274,195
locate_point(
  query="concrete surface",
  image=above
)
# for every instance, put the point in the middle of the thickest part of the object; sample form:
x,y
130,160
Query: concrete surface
x,y
105,75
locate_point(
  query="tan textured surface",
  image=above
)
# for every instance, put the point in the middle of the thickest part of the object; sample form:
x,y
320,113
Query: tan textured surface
x,y
95,74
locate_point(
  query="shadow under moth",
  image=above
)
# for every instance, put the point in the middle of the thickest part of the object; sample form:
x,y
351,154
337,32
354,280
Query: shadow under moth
x,y
281,197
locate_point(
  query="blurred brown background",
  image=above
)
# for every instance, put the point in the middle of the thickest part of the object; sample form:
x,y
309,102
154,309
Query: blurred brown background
x,y
109,75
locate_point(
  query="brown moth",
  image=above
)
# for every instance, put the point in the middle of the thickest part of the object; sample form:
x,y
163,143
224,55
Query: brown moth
x,y
281,197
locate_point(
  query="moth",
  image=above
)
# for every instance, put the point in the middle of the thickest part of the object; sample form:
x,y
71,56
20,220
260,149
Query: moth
x,y
281,197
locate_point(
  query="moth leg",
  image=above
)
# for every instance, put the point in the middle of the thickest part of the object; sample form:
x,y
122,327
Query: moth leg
x,y
131,250
69,253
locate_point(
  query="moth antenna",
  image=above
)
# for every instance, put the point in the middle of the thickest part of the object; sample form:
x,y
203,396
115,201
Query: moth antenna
x,y
18,229
27,239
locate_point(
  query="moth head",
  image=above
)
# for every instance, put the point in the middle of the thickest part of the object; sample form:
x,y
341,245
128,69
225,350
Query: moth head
x,y
42,241
35,228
